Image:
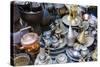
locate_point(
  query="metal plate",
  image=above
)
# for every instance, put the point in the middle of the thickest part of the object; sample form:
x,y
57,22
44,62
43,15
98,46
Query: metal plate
x,y
65,21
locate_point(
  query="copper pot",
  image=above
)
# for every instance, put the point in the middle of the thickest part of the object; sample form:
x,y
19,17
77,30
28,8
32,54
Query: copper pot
x,y
30,42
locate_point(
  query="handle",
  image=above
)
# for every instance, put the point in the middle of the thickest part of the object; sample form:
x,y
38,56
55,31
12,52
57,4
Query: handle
x,y
25,28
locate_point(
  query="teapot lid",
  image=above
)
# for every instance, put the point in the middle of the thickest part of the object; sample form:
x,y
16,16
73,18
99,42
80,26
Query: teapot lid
x,y
29,38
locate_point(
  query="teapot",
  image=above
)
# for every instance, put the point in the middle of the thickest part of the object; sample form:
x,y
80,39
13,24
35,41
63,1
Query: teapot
x,y
30,42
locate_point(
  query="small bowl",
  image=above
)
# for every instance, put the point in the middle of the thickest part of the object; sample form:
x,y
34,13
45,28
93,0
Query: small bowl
x,y
21,59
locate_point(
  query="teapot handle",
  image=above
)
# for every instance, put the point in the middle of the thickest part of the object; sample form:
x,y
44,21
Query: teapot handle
x,y
25,28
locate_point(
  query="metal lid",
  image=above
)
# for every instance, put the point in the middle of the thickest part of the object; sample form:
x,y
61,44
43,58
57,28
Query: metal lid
x,y
29,38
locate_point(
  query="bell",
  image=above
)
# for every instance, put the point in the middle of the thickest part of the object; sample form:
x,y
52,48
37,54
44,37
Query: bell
x,y
81,37
71,37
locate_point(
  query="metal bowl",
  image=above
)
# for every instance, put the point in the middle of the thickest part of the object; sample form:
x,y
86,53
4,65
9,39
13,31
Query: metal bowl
x,y
21,59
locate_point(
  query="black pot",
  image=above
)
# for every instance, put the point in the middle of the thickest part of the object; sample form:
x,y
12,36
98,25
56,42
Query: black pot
x,y
31,13
32,18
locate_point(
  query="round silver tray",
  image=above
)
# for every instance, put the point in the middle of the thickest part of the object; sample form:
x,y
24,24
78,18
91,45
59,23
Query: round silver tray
x,y
65,21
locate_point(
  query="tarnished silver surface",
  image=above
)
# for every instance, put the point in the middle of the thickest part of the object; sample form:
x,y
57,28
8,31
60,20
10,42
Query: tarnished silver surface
x,y
71,37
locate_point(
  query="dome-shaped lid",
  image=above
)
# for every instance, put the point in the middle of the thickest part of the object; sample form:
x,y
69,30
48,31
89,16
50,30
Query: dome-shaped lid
x,y
29,38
